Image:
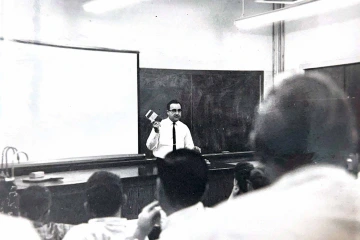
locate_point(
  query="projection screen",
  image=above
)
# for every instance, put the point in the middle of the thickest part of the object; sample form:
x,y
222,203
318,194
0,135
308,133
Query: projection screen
x,y
62,102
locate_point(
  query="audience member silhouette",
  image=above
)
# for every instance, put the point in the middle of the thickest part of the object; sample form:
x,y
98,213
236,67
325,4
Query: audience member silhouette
x,y
104,199
35,203
247,178
181,183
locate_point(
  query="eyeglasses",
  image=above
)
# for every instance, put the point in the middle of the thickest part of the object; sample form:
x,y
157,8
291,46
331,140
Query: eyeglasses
x,y
175,110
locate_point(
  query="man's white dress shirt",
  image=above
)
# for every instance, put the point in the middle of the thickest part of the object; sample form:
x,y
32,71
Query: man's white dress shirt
x,y
162,143
180,217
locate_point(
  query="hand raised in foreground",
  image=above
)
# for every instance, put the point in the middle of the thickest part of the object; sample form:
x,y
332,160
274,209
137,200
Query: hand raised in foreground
x,y
148,217
235,191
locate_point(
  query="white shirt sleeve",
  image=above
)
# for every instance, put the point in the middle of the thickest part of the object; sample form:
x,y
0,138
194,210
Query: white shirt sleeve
x,y
153,140
189,143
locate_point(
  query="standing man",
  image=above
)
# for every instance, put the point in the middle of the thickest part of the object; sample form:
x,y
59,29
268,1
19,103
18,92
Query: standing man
x,y
170,134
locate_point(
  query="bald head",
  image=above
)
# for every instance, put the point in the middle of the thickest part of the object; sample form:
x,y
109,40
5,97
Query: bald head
x,y
306,118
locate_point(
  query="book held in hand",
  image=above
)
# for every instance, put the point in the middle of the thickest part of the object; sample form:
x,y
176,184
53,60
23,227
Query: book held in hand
x,y
152,116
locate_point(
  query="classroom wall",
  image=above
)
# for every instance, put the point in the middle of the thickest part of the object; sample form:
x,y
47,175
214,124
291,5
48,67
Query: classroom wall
x,y
177,34
323,40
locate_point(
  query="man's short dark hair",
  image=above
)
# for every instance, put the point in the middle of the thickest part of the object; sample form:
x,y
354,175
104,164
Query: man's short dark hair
x,y
34,202
242,172
258,179
245,172
184,176
104,194
174,101
306,114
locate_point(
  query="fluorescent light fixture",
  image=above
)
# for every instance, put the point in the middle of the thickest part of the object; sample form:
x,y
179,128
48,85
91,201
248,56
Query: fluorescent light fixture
x,y
280,1
296,11
102,6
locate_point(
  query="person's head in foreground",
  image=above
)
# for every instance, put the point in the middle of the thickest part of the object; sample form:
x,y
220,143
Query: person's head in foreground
x,y
104,195
35,203
182,180
247,178
305,119
104,199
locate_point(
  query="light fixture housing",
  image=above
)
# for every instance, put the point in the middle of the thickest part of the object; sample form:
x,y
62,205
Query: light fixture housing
x,y
296,11
280,1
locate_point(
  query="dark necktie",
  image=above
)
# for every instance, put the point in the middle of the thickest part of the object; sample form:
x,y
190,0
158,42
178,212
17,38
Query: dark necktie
x,y
174,137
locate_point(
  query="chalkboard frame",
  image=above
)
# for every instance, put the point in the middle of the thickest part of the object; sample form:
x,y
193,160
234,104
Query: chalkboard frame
x,y
161,76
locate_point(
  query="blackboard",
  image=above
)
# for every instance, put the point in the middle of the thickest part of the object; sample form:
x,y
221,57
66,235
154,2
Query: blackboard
x,y
218,106
336,73
347,78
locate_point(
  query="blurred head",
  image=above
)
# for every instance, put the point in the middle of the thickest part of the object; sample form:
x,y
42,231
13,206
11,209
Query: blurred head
x,y
182,178
305,119
249,178
258,179
104,194
174,110
241,175
35,202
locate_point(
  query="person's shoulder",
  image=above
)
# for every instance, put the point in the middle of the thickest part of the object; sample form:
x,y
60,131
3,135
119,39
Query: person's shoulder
x,y
9,220
182,124
10,228
78,232
165,121
314,175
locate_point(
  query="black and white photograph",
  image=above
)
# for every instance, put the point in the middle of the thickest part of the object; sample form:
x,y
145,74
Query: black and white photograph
x,y
179,119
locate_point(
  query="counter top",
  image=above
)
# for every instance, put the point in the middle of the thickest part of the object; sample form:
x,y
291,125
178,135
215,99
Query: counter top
x,y
125,172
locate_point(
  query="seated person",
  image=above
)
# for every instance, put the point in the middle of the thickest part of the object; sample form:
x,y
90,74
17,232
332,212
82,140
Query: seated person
x,y
247,178
104,199
181,183
35,203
